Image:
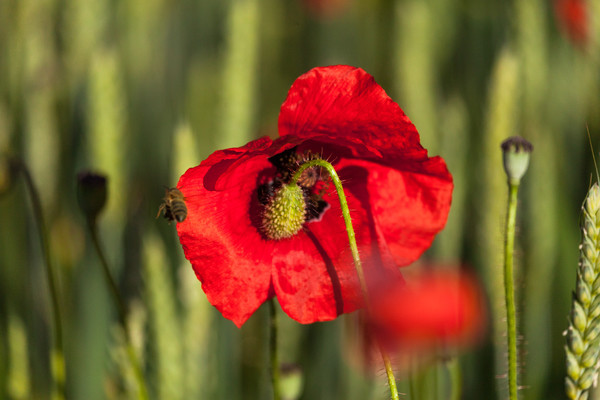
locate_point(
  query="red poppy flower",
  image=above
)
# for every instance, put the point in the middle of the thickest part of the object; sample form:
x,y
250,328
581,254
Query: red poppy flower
x,y
572,17
325,8
432,308
399,199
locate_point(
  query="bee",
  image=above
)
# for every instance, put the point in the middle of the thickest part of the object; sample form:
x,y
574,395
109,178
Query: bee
x,y
173,205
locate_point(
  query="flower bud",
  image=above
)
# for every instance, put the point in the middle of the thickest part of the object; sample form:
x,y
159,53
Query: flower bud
x,y
516,153
91,193
290,381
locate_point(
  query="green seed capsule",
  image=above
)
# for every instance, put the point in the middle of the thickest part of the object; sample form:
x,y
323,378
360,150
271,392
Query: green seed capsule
x,y
285,213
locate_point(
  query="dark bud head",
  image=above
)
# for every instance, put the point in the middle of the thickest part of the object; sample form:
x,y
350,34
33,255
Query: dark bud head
x,y
91,193
309,177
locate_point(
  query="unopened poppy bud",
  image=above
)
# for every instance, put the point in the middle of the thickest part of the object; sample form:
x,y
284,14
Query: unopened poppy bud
x,y
91,193
285,213
290,381
516,151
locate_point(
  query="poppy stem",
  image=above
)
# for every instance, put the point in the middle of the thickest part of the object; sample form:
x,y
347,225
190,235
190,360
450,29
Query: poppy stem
x,y
345,213
455,373
515,156
273,350
121,310
355,256
510,291
57,358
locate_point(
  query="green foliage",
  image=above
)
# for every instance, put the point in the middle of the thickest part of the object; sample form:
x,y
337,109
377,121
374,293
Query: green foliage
x,y
140,90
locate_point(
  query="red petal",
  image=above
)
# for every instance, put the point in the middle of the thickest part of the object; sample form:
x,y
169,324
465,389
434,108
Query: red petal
x,y
437,306
409,201
346,102
314,275
572,15
218,236
407,196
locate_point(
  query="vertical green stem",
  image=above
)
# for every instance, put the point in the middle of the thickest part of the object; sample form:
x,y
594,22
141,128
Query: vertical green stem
x,y
142,390
390,374
114,291
273,350
57,357
511,324
354,249
454,371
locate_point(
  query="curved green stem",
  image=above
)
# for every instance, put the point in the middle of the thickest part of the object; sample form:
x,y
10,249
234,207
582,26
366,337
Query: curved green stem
x,y
133,359
273,350
345,213
511,324
354,249
57,357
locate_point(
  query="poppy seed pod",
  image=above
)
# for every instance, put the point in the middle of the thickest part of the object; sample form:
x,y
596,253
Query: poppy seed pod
x,y
516,153
285,213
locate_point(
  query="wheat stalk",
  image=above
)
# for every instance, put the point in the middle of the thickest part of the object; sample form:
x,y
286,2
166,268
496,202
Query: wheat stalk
x,y
583,342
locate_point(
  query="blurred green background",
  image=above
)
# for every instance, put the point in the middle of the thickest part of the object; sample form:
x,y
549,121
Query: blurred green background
x,y
141,90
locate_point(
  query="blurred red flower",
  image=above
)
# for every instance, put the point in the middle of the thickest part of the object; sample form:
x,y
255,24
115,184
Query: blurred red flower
x,y
431,309
399,199
325,8
572,17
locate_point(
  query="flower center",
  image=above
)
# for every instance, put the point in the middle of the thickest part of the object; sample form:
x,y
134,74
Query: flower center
x,y
285,213
287,205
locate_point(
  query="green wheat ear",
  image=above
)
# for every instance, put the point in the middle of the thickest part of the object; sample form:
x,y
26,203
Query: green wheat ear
x,y
583,341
